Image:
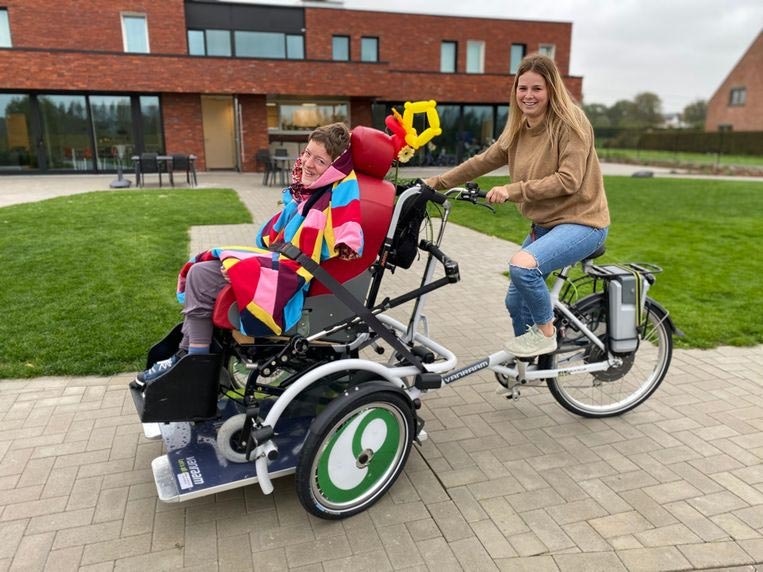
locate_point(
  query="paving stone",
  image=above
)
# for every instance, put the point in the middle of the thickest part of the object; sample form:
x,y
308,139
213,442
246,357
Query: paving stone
x,y
589,562
654,559
317,551
696,522
116,549
472,555
400,548
32,552
369,561
449,520
438,555
64,560
493,540
586,539
715,554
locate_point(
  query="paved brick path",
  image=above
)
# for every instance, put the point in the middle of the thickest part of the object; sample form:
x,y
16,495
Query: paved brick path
x,y
676,484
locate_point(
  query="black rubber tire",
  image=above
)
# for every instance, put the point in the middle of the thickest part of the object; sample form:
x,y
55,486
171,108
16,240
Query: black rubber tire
x,y
617,390
368,437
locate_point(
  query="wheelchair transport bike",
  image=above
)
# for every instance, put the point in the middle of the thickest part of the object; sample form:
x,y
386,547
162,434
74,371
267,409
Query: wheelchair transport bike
x,y
322,403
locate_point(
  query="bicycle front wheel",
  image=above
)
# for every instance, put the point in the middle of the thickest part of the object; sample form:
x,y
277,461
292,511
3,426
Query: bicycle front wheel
x,y
617,389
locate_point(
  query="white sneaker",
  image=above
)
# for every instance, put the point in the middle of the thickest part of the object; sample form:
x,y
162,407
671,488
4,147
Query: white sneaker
x,y
532,343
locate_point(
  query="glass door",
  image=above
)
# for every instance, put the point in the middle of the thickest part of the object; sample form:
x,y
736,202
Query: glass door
x,y
66,133
17,150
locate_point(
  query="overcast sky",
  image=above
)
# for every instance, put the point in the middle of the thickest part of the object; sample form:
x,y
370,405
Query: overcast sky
x,y
679,49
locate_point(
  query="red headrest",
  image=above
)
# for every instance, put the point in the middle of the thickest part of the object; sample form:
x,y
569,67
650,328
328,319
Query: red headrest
x,y
372,151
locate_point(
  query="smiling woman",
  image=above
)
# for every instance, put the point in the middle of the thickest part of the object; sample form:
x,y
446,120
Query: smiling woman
x,y
556,183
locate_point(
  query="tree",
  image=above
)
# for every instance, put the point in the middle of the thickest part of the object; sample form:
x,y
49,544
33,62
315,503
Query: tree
x,y
695,113
621,113
597,114
647,110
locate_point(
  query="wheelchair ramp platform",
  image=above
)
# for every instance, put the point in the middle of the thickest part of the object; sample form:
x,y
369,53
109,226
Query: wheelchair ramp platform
x,y
194,467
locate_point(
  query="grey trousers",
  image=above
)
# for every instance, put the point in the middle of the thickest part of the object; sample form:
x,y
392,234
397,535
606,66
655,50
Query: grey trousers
x,y
203,284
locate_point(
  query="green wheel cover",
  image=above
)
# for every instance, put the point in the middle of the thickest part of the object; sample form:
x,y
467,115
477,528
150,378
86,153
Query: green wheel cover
x,y
360,455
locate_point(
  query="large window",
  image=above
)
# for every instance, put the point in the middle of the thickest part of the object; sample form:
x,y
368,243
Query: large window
x,y
448,55
306,116
197,44
260,44
76,132
475,56
16,150
151,124
477,129
246,44
112,127
135,33
466,131
369,49
218,43
5,29
295,47
738,96
66,132
340,48
547,50
517,53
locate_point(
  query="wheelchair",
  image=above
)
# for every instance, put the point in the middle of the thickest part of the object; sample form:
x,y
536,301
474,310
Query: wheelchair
x,y
306,402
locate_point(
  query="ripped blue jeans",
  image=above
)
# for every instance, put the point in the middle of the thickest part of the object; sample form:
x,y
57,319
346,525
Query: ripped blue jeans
x,y
528,299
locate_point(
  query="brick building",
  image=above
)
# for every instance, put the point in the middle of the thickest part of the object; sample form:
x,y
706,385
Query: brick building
x,y
83,81
737,105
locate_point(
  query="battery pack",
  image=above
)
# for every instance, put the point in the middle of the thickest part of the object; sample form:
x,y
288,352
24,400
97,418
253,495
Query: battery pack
x,y
624,293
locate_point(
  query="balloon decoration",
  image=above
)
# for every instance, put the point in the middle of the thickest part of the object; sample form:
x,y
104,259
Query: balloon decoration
x,y
405,138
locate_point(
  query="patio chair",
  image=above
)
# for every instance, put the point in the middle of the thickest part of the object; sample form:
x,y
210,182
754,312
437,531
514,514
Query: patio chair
x,y
187,163
270,169
149,163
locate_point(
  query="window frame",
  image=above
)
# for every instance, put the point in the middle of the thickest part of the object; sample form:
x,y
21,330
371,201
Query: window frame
x,y
454,63
335,38
514,64
481,60
363,40
737,96
5,28
547,50
134,16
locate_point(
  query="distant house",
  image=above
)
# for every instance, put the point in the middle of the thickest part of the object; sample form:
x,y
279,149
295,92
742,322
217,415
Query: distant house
x,y
673,121
737,105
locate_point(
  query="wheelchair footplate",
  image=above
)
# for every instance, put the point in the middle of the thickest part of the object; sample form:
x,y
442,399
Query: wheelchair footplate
x,y
193,465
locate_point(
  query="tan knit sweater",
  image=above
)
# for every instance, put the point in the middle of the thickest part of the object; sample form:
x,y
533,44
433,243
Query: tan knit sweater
x,y
552,182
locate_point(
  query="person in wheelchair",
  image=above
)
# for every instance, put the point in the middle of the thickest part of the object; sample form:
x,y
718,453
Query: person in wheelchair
x,y
556,183
320,215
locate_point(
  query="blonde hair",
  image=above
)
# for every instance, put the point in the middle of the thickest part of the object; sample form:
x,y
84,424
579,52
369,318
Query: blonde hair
x,y
561,109
335,137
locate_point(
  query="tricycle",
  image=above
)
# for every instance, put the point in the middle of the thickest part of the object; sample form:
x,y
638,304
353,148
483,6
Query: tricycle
x,y
322,403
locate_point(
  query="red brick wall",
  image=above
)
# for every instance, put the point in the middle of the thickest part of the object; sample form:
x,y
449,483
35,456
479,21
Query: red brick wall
x,y
94,24
254,127
183,131
411,42
86,55
748,73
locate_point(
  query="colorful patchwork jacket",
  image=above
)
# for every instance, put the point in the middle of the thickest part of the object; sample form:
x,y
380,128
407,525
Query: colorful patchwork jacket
x,y
270,288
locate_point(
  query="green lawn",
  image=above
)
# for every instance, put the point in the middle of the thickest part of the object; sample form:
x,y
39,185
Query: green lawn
x,y
88,280
706,234
679,159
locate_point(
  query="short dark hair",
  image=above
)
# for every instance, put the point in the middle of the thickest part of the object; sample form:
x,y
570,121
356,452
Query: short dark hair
x,y
335,137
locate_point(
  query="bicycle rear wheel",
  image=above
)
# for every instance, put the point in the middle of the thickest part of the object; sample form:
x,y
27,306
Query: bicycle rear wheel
x,y
617,389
